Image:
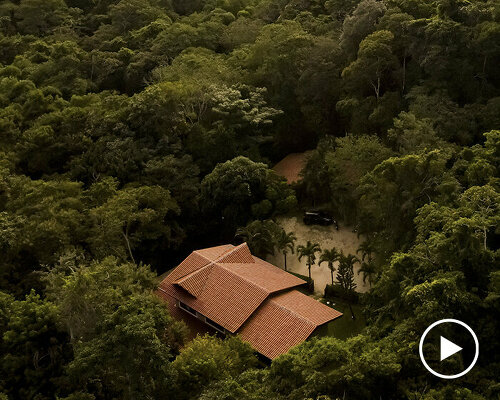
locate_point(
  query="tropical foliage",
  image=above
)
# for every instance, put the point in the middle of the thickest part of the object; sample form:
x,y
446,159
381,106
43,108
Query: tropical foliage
x,y
134,131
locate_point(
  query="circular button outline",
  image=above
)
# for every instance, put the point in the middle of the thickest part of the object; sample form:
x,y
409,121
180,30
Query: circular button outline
x,y
421,345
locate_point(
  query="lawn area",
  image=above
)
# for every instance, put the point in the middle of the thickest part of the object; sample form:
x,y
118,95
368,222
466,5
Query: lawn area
x,y
344,327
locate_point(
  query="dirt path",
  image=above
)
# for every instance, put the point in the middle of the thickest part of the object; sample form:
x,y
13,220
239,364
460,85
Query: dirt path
x,y
327,237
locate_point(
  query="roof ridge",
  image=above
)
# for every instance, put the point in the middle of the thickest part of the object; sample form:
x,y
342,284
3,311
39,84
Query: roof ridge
x,y
187,276
201,255
202,279
234,251
225,252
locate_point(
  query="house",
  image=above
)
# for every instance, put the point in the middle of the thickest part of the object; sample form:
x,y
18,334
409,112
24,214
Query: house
x,y
227,289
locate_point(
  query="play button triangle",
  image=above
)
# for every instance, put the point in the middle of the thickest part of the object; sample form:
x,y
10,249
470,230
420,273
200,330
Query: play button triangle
x,y
448,348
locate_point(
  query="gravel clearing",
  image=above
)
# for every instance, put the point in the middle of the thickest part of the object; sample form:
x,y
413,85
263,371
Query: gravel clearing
x,y
327,237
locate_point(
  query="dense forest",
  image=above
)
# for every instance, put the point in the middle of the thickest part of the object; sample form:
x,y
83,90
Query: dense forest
x,y
135,131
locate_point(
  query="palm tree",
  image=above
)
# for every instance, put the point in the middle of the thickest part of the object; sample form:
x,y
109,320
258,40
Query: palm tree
x,y
366,250
285,242
309,251
330,256
369,270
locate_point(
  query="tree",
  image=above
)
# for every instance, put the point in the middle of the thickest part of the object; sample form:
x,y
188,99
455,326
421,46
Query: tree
x,y
483,203
34,349
369,270
128,15
242,108
345,275
123,337
330,256
351,158
38,221
285,242
360,24
275,61
42,17
132,216
410,134
345,272
366,248
405,184
375,60
308,251
207,360
260,237
240,189
315,173
128,354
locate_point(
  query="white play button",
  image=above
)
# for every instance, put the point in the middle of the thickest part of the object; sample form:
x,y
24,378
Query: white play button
x,y
448,348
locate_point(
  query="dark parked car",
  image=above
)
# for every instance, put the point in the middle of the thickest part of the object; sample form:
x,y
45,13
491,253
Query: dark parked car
x,y
315,217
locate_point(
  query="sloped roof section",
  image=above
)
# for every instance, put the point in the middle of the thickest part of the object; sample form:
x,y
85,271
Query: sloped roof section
x,y
214,253
195,281
273,330
228,299
265,275
192,263
283,321
240,254
305,307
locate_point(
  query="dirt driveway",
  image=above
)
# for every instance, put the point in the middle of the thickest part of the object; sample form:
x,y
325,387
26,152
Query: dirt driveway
x,y
327,237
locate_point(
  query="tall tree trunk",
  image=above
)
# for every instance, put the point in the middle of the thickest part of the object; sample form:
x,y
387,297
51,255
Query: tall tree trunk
x,y
403,83
125,236
483,81
284,254
309,269
331,271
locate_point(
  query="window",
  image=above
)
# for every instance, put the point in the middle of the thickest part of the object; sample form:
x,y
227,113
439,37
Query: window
x,y
185,307
215,325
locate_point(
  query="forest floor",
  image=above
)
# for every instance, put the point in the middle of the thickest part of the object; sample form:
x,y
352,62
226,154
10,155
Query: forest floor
x,y
327,236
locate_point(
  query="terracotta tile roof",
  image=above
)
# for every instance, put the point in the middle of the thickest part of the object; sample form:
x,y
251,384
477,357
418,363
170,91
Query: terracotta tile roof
x,y
266,276
273,330
192,263
218,292
246,295
213,253
283,321
228,299
194,283
306,307
239,254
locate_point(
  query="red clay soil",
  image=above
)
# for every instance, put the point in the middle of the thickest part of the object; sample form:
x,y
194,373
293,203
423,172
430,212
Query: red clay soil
x,y
291,166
